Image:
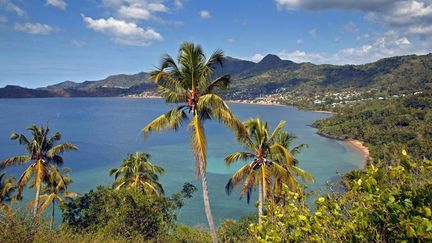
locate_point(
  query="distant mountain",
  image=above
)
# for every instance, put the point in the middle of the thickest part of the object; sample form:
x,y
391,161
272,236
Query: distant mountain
x,y
270,75
13,91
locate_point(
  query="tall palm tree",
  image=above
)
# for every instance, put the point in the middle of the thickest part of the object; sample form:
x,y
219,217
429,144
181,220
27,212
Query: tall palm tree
x,y
138,173
272,162
188,82
7,188
55,189
41,151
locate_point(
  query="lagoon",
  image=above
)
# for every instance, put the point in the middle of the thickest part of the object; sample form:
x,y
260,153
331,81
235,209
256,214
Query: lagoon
x,y
107,129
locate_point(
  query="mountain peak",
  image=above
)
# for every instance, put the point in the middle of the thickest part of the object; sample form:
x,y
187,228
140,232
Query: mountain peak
x,y
270,58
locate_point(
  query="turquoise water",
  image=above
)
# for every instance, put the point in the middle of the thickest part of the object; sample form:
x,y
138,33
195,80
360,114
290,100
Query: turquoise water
x,y
106,129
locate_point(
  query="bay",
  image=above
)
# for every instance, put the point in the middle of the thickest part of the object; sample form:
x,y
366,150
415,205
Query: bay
x,y
107,129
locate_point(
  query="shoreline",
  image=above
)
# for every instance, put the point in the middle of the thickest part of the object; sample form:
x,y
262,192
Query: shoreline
x,y
354,143
357,144
252,103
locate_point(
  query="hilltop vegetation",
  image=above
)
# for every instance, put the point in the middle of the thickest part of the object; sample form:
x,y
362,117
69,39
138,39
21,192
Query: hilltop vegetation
x,y
293,83
386,126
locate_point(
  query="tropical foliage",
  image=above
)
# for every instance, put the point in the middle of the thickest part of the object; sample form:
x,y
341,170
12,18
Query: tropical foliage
x,y
386,126
138,173
272,163
55,189
124,212
381,204
42,150
7,188
188,82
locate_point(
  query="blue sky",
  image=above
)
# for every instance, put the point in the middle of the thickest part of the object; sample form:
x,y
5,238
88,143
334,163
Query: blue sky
x,y
44,42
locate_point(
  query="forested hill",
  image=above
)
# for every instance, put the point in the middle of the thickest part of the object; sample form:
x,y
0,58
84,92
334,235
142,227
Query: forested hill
x,y
272,76
386,126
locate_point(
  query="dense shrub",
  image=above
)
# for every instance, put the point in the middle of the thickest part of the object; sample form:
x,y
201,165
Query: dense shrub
x,y
124,213
237,231
381,204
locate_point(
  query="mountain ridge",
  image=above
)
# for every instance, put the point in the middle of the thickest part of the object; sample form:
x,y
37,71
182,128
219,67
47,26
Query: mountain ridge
x,y
269,75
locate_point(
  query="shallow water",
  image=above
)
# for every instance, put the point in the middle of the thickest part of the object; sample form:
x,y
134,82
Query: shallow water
x,y
106,129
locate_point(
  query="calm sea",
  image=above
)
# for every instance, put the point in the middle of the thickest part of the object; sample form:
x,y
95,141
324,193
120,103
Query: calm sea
x,y
107,129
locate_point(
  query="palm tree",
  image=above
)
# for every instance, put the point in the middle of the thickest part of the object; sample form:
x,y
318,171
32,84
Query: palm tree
x,y
286,139
41,151
188,83
272,162
55,189
7,187
138,173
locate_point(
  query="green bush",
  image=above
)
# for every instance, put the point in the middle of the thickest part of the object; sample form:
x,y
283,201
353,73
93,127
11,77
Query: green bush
x,y
237,231
124,213
381,204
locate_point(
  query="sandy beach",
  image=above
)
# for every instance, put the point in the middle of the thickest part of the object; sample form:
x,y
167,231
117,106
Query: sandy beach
x,y
359,146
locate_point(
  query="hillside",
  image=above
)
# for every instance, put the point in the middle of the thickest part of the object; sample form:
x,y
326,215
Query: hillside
x,y
296,83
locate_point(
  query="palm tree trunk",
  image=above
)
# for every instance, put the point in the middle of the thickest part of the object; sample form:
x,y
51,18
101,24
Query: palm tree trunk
x,y
260,201
52,215
207,205
36,205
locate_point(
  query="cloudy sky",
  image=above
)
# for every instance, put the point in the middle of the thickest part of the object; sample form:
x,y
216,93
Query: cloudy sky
x,y
48,41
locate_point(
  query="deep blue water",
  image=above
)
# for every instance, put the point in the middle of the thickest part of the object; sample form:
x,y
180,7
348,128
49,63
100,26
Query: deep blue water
x,y
106,129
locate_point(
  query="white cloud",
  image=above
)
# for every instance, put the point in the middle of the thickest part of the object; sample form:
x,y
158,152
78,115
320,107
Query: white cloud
x,y
61,4
34,28
134,12
387,45
135,9
230,40
405,27
402,15
313,33
300,41
257,57
8,5
122,32
204,14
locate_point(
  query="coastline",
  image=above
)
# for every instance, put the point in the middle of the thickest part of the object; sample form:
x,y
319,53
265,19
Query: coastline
x,y
357,144
253,103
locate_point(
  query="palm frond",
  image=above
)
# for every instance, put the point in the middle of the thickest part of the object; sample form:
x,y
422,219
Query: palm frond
x,y
277,129
306,176
23,180
220,83
45,203
61,148
237,178
171,120
282,153
199,144
231,158
16,160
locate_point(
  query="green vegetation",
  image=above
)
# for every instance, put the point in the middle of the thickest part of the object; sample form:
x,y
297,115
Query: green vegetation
x,y
55,190
127,213
382,204
386,126
188,83
389,201
138,173
41,152
7,188
272,166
